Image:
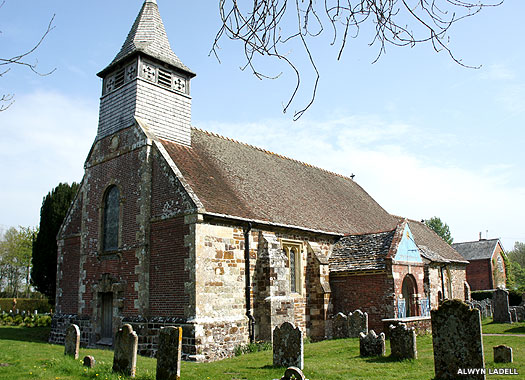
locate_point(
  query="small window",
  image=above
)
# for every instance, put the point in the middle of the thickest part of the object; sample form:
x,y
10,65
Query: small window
x,y
119,78
293,253
111,219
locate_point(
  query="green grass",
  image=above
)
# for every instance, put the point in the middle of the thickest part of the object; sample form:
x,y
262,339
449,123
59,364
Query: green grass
x,y
490,327
29,357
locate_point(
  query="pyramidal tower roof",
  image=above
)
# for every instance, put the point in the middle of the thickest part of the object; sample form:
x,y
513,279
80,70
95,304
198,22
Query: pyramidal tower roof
x,y
148,36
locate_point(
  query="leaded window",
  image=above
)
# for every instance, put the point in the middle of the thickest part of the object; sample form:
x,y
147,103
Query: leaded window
x,y
292,250
111,219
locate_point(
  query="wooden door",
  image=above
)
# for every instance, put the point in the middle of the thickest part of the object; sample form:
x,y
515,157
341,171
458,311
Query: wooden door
x,y
107,316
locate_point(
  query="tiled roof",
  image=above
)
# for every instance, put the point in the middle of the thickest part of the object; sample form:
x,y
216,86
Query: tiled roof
x,y
476,250
361,252
148,36
240,180
432,246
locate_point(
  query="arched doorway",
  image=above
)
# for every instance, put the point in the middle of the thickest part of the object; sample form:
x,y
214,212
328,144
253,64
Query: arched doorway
x,y
409,290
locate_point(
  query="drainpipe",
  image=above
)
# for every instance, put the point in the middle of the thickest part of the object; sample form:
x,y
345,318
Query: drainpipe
x,y
248,288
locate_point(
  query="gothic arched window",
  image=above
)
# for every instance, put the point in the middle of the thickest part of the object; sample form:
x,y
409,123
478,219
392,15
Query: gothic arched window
x,y
110,228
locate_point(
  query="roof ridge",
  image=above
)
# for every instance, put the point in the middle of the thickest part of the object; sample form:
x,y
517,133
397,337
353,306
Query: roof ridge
x,y
214,134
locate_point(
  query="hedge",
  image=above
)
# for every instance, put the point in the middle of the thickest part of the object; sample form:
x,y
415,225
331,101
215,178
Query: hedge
x,y
25,304
29,320
480,295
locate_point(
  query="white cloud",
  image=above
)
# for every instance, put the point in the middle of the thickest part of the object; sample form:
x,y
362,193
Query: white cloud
x,y
45,139
390,163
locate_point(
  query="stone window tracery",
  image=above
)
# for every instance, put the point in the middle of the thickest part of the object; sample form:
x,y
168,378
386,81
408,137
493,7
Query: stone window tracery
x,y
293,250
111,221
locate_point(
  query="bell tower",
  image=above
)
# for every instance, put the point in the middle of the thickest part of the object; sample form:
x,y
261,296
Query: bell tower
x,y
147,80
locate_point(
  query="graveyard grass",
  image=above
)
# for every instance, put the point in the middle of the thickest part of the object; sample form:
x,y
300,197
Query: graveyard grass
x,y
28,356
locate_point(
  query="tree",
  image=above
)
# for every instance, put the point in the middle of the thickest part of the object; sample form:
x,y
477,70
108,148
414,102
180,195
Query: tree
x,y
6,100
515,266
272,27
440,228
54,208
517,255
15,260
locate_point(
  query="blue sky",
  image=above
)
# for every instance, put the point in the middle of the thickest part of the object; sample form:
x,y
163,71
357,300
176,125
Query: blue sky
x,y
423,135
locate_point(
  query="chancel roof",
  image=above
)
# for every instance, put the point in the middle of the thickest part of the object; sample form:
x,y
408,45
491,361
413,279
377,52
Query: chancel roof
x,y
230,178
148,36
477,250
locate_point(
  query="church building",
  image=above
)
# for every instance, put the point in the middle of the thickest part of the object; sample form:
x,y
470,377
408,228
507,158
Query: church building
x,y
174,225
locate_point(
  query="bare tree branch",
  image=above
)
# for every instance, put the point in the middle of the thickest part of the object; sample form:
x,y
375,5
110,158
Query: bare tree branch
x,y
7,100
268,28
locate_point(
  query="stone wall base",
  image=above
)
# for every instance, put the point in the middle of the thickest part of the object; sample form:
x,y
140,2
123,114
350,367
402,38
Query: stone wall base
x,y
422,325
203,342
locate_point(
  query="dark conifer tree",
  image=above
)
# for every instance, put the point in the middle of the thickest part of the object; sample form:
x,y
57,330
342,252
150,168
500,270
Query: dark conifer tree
x,y
44,258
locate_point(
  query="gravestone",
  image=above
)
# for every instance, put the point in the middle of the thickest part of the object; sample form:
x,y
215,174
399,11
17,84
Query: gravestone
x,y
125,355
513,314
500,303
456,338
502,354
372,344
403,342
89,361
169,353
340,326
357,324
288,346
72,341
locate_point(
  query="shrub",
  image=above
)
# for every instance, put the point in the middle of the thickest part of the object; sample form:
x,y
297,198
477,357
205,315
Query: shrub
x,y
514,298
252,347
480,295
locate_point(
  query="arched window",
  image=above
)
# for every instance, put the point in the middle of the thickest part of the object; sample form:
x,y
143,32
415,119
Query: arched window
x,y
111,219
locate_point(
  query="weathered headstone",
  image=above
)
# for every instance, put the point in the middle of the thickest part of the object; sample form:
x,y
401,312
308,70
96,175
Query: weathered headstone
x,y
403,342
357,324
456,338
502,354
169,353
288,346
340,326
293,373
513,314
125,355
372,344
89,361
500,303
72,341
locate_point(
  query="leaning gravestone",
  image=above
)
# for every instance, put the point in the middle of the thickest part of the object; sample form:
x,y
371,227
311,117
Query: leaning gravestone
x,y
89,361
456,338
293,373
500,302
403,342
372,344
357,324
125,356
169,353
340,326
288,346
502,354
72,342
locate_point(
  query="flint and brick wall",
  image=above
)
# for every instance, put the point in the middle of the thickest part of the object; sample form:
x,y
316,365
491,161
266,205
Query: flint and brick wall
x,y
370,293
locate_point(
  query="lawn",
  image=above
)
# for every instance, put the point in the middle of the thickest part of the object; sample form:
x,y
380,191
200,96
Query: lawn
x,y
24,354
